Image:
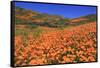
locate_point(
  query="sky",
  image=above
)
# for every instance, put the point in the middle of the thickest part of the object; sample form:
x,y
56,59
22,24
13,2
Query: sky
x,y
67,11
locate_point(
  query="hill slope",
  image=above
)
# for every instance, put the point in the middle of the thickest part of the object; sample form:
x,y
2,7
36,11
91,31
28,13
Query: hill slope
x,y
24,16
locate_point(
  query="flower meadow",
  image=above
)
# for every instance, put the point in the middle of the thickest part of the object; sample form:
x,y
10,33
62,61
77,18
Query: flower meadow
x,y
70,45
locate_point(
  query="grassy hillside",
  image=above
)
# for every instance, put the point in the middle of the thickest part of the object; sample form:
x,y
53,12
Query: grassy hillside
x,y
24,16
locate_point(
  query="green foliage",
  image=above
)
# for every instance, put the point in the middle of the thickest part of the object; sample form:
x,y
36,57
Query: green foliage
x,y
21,32
76,59
80,23
63,27
56,24
20,11
92,19
59,23
32,26
37,32
47,24
18,21
66,20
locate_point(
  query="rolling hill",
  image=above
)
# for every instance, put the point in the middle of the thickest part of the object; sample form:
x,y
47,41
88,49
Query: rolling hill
x,y
24,16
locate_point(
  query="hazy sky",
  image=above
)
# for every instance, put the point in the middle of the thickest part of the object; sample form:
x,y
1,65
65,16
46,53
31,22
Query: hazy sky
x,y
68,11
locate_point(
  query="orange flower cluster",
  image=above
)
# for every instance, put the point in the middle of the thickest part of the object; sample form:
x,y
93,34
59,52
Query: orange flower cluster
x,y
77,44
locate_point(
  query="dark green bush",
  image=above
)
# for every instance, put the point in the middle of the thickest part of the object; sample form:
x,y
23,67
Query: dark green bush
x,y
80,23
31,26
92,19
18,21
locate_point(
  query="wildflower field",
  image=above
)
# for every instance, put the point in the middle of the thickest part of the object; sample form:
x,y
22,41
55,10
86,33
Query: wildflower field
x,y
70,45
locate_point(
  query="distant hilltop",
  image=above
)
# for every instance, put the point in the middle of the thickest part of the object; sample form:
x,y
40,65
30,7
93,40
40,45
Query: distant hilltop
x,y
24,16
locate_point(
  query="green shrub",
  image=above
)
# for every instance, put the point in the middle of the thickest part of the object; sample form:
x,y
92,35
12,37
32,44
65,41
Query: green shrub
x,y
31,26
37,32
80,23
56,24
18,21
47,24
21,32
92,19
